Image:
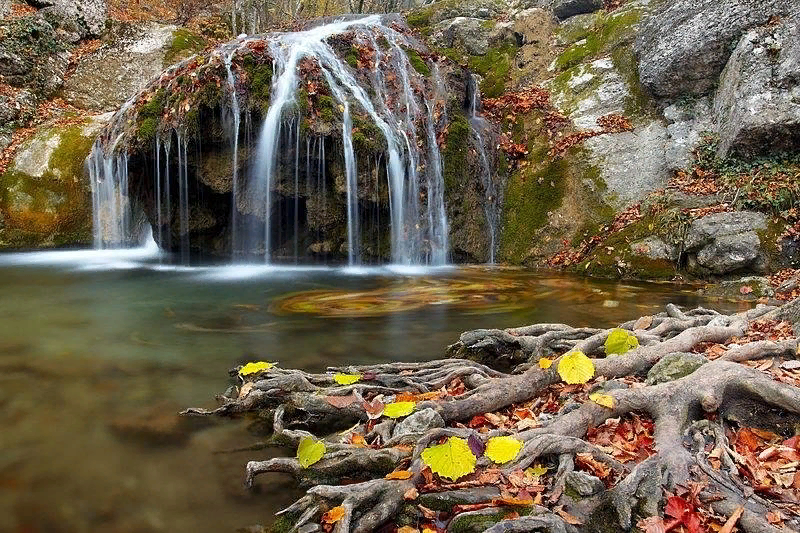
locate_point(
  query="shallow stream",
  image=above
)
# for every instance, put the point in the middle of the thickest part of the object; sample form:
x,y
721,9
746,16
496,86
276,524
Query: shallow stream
x,y
99,350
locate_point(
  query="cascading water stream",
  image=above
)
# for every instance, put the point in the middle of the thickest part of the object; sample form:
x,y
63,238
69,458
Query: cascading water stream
x,y
269,198
480,124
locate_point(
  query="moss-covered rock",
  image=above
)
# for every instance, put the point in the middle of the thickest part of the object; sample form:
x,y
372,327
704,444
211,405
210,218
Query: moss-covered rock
x,y
184,43
45,197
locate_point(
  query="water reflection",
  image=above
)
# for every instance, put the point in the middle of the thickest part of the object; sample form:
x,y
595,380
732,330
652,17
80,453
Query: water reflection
x,y
94,364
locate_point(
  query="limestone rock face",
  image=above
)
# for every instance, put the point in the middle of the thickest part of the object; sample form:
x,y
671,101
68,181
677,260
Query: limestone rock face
x,y
726,242
78,20
686,127
132,57
684,46
758,102
45,198
469,34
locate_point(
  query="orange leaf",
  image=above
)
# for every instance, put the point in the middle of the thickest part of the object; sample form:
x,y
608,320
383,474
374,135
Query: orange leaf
x,y
358,440
731,522
404,397
568,518
399,474
512,501
411,494
334,515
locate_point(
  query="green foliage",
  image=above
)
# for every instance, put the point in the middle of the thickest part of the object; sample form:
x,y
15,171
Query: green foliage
x,y
352,57
184,43
149,116
367,137
608,31
494,67
420,18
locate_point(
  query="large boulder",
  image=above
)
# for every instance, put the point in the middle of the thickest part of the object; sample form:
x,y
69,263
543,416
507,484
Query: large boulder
x,y
45,198
132,56
83,19
684,46
757,104
465,33
32,56
722,243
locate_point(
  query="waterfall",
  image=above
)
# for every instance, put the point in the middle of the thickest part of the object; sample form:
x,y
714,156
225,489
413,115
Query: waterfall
x,y
490,204
272,189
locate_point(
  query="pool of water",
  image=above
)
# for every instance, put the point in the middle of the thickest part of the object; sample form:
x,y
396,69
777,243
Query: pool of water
x,y
99,350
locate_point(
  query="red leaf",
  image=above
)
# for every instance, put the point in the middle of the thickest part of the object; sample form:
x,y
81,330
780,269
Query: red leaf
x,y
677,507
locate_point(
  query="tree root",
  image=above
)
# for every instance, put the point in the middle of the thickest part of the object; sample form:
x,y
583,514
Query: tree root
x,y
683,413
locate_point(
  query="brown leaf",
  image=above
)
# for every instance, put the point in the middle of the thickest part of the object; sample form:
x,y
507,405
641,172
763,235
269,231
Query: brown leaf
x,y
427,513
568,518
731,522
341,402
411,494
374,408
643,323
652,524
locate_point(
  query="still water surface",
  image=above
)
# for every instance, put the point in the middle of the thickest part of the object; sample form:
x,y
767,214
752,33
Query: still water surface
x,y
98,351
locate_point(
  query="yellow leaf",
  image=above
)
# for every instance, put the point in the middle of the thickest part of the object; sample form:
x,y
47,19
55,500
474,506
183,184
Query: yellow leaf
x,y
334,515
536,470
310,451
254,368
503,449
399,474
602,399
452,459
398,409
428,530
575,367
346,379
620,341
545,363
407,529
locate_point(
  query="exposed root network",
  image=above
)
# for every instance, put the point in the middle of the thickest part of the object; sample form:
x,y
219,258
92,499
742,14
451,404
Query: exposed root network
x,y
713,446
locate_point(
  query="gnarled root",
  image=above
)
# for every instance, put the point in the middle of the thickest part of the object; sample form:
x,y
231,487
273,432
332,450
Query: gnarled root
x,y
687,416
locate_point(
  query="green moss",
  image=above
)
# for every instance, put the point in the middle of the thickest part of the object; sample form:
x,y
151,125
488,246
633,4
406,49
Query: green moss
x,y
149,116
367,137
53,209
638,103
352,57
383,42
147,129
531,194
420,18
494,67
260,84
454,156
608,31
417,62
184,43
326,106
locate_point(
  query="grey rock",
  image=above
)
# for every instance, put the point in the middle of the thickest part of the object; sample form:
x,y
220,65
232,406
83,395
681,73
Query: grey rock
x,y
86,18
133,56
684,45
564,9
674,366
730,253
631,163
5,7
465,33
418,423
757,104
687,126
583,484
32,56
704,231
654,248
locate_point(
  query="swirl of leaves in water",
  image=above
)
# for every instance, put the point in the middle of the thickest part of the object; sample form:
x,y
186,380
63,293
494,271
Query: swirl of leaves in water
x,y
484,294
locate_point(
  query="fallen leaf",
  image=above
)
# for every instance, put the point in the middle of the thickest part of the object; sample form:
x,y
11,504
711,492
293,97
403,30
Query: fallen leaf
x,y
575,368
652,524
545,363
731,522
406,529
568,518
374,408
341,402
745,289
334,515
398,409
503,449
358,441
620,341
643,323
346,379
602,399
452,460
476,445
254,368
310,451
399,474
411,494
536,471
